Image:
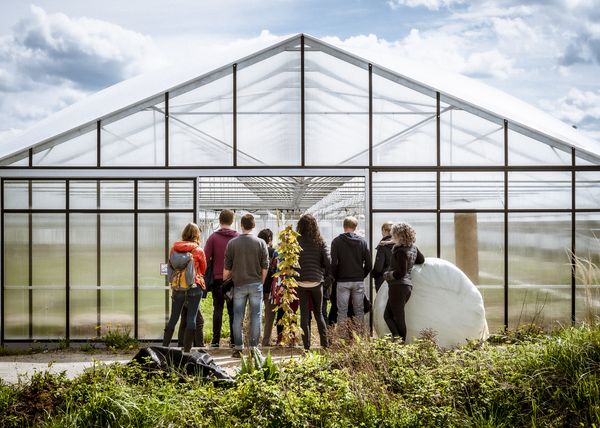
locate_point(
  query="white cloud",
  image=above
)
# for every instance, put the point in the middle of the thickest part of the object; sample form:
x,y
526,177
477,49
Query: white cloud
x,y
429,4
577,107
88,52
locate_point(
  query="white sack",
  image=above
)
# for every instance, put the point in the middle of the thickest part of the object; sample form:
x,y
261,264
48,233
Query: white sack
x,y
443,299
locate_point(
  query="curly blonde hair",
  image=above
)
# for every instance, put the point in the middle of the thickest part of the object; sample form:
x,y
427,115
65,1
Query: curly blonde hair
x,y
404,234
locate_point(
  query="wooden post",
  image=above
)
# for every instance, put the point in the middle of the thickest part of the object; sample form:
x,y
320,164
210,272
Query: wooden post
x,y
465,239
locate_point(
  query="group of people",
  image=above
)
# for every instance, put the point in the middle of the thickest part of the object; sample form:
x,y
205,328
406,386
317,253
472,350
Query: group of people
x,y
243,264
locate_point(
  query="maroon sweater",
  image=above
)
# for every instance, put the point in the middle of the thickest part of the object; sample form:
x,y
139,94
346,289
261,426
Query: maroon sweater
x,y
215,249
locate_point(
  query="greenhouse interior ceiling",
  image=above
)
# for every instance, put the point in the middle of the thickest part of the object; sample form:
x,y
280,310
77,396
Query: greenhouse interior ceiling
x,y
92,197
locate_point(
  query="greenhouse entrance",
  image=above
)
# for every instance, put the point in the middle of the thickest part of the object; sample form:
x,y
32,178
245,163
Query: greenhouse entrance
x,y
275,200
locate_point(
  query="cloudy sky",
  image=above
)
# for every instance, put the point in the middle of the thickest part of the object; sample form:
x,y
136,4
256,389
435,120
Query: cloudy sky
x,y
55,52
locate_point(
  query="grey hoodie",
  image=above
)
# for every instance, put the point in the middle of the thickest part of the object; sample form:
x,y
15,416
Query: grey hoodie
x,y
350,258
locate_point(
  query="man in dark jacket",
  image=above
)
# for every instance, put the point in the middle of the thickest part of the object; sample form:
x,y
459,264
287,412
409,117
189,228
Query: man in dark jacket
x,y
383,258
350,265
215,254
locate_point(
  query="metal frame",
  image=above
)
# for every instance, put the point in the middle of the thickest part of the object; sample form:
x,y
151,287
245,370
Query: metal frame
x,y
168,172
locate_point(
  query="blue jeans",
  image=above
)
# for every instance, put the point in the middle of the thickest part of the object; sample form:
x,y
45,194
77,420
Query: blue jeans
x,y
241,295
178,298
345,290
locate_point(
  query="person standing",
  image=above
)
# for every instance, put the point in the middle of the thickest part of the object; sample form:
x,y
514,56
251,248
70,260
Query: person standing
x,y
383,258
215,254
405,255
187,283
314,267
246,262
350,265
268,301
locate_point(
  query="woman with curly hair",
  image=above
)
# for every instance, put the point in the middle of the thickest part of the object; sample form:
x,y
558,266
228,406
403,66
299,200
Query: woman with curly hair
x,y
314,266
404,255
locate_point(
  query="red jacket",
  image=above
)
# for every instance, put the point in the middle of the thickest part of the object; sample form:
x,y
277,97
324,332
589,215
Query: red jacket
x,y
197,254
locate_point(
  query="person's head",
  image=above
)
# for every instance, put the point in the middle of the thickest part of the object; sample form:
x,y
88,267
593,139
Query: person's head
x,y
226,218
386,228
266,235
350,224
403,234
247,222
307,226
191,233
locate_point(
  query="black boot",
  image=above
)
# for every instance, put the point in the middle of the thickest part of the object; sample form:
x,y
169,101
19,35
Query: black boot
x,y
199,332
167,337
188,340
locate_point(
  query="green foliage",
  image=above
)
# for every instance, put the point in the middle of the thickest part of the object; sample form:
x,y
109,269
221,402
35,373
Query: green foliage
x,y
288,252
541,380
118,338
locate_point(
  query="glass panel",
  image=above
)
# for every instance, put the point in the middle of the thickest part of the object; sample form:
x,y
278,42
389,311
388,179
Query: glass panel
x,y
181,194
49,275
138,139
201,125
48,194
336,111
467,139
523,150
470,190
539,190
539,269
586,162
78,151
153,306
587,192
423,223
83,194
16,275
116,194
22,160
268,120
151,194
587,298
116,268
404,190
83,278
475,243
404,125
16,194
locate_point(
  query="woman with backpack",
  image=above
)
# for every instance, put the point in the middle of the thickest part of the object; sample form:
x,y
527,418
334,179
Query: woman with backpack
x,y
314,267
187,265
405,255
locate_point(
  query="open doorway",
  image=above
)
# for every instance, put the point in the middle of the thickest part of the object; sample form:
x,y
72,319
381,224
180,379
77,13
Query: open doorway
x,y
275,201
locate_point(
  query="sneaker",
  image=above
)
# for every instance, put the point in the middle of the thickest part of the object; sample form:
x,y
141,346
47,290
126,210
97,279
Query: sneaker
x,y
237,353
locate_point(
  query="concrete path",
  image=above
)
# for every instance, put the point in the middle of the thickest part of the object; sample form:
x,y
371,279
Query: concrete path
x,y
74,363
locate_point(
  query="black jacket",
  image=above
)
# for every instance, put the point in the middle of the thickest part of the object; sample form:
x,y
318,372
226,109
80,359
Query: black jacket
x,y
403,260
350,258
383,259
314,260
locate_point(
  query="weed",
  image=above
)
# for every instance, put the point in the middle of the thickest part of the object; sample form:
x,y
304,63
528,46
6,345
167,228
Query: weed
x,y
119,338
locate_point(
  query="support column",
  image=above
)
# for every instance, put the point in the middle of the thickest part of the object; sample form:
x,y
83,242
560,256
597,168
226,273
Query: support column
x,y
465,241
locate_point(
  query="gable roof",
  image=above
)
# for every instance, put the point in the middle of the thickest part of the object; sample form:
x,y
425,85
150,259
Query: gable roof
x,y
468,94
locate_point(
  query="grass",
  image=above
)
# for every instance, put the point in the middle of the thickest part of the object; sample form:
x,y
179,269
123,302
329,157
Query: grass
x,y
521,378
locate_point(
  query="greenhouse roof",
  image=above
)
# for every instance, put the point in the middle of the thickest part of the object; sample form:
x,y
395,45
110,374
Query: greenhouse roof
x,y
132,95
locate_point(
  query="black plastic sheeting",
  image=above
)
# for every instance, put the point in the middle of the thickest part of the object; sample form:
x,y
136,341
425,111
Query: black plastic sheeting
x,y
161,359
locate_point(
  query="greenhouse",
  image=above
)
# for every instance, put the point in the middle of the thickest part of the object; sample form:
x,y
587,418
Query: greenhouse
x,y
93,196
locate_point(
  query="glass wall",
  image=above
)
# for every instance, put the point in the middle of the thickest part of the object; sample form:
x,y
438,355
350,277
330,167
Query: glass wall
x,y
101,285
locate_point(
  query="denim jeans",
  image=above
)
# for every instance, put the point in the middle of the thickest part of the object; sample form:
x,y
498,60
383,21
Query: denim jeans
x,y
178,298
346,290
251,293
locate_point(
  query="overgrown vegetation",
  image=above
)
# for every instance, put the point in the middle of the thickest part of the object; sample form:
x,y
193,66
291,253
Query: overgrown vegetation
x,y
527,378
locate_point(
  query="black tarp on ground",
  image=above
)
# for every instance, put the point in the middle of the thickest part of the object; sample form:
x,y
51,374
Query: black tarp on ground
x,y
172,360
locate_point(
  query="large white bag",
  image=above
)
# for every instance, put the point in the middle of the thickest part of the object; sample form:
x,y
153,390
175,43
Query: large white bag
x,y
443,299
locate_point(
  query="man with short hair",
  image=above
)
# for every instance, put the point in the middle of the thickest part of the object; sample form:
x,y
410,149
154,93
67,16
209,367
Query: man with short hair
x,y
350,265
246,262
215,254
